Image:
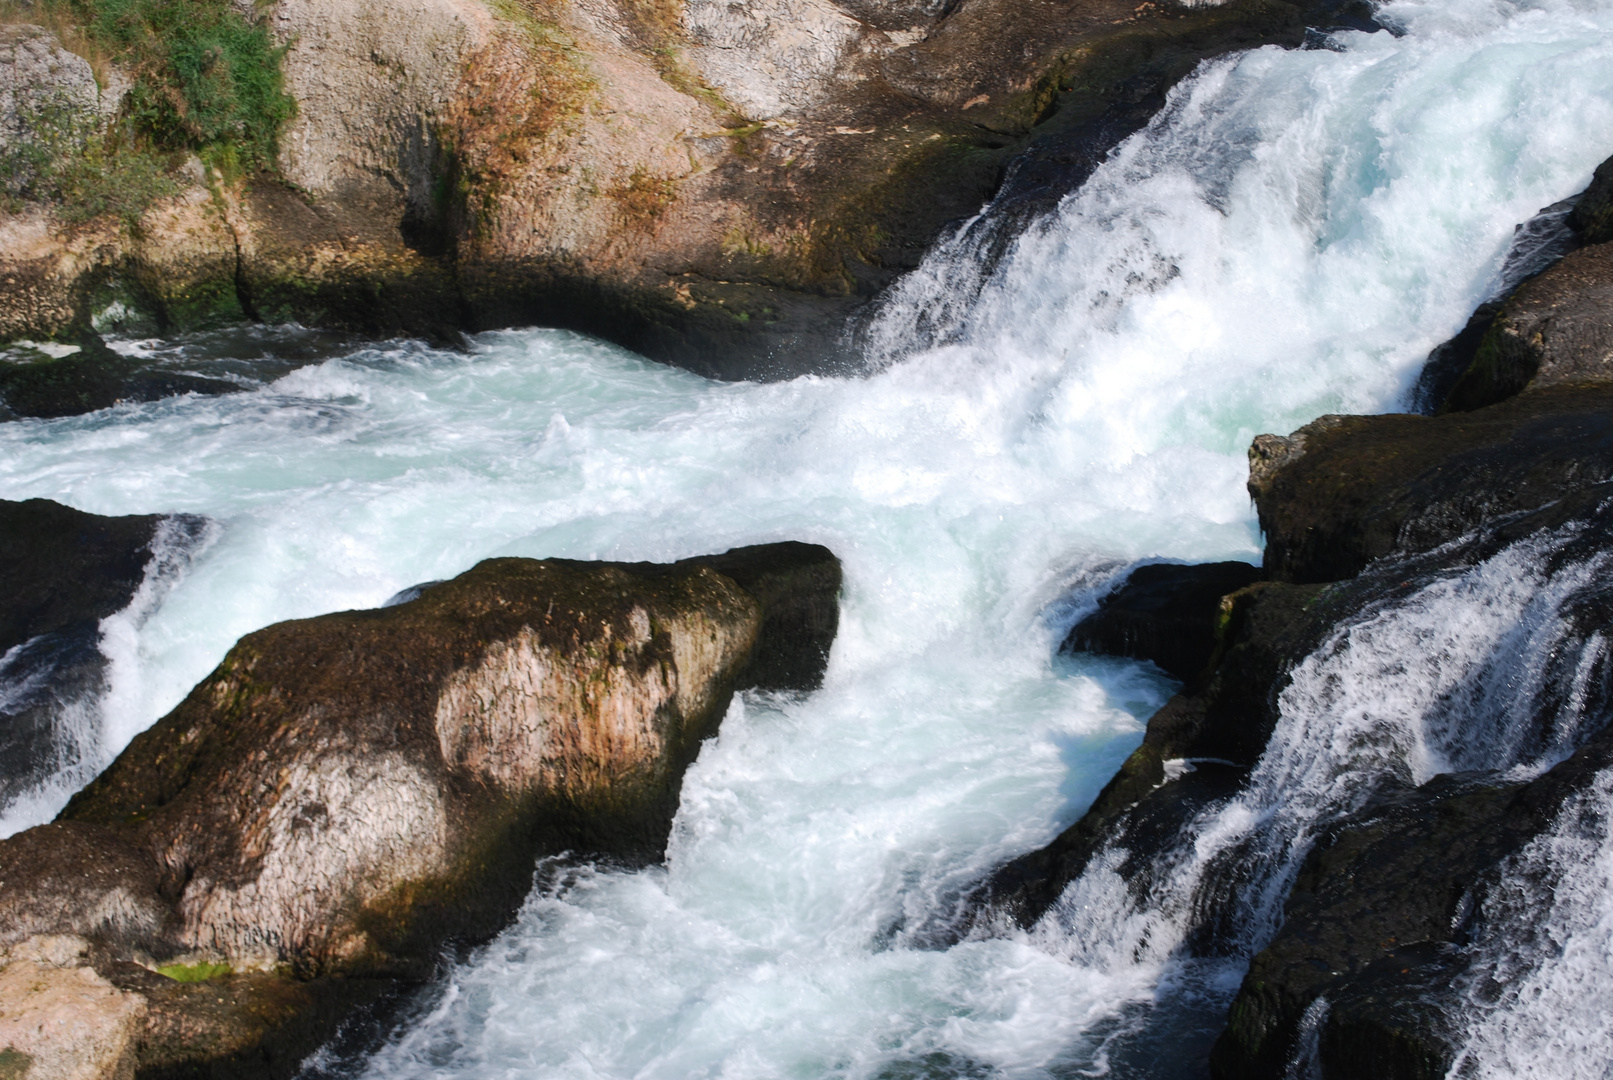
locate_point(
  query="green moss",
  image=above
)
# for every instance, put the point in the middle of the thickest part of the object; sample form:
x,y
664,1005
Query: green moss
x,y
14,1064
194,973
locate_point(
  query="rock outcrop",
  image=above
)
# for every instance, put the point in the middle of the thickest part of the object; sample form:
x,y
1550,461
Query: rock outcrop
x,y
1345,490
1164,613
717,186
62,571
345,795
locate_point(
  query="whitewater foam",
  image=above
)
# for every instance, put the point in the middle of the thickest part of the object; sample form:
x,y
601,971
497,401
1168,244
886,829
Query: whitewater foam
x,y
1288,239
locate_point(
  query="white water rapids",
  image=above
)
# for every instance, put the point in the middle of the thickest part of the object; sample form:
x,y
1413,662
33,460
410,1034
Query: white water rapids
x,y
1289,238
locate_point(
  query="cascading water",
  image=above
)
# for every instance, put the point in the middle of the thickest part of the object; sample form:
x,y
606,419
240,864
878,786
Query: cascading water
x,y
1536,995
1480,669
1288,238
57,690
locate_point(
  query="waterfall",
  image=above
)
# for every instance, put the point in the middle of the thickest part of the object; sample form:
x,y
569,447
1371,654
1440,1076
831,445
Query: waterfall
x,y
1051,399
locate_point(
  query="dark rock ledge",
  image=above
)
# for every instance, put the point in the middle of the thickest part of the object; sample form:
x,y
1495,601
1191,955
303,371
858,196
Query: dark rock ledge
x,y
347,795
1358,510
61,572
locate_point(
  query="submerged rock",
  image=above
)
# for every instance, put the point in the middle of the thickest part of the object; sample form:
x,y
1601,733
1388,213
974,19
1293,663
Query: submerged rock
x,y
345,795
88,376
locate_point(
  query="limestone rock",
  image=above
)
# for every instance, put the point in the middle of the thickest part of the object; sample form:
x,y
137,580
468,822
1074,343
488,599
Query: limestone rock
x,y
717,185
41,83
346,794
62,1019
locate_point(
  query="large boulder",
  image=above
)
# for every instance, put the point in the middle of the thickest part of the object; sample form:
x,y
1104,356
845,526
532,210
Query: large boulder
x,y
1345,490
346,794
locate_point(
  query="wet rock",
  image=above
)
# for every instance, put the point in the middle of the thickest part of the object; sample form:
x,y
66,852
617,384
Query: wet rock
x,y
1344,491
1593,214
1373,936
90,376
1164,613
1220,725
63,571
61,568
1548,323
345,795
1555,330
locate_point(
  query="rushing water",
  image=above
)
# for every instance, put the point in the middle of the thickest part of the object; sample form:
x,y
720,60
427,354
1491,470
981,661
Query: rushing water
x,y
1289,238
1548,955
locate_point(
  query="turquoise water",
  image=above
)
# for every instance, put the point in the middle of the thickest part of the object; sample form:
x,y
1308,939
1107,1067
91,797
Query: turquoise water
x,y
1290,238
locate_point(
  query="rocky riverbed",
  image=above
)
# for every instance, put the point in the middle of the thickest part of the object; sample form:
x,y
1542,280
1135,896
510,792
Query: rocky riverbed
x,y
1380,893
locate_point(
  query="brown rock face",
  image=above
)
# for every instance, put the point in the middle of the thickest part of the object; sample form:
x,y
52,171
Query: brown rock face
x,y
716,185
346,793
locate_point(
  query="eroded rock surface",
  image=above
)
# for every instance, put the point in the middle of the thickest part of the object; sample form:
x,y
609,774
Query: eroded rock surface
x,y
715,185
346,794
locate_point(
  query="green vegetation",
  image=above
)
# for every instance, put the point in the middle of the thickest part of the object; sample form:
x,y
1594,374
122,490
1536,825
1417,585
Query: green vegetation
x,y
88,173
14,1064
206,80
194,973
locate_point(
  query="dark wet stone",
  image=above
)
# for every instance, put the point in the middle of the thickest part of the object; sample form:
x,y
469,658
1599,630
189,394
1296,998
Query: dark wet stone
x,y
93,378
1593,216
1165,613
1555,330
1346,490
1226,716
62,569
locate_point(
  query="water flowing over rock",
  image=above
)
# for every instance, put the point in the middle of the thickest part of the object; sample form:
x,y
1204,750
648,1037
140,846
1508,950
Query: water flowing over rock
x,y
346,794
64,571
